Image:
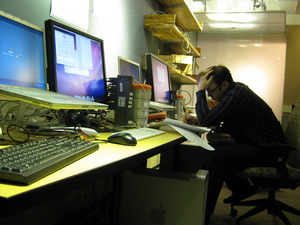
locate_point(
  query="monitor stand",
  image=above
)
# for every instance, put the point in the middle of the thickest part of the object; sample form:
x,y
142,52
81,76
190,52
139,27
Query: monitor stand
x,y
21,116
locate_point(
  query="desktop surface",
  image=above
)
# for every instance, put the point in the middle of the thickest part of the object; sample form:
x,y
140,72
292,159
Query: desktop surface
x,y
109,159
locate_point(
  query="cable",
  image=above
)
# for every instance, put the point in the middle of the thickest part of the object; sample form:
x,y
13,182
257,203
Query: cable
x,y
17,133
186,49
10,110
190,100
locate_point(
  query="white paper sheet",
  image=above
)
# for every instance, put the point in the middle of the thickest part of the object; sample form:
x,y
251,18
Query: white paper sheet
x,y
193,137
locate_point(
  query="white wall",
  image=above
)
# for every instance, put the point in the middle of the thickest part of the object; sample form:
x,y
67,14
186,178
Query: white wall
x,y
256,60
121,25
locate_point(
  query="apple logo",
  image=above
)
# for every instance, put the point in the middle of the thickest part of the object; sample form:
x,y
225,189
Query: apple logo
x,y
157,216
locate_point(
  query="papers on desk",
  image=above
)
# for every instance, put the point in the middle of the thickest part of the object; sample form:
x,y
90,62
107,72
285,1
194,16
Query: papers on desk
x,y
188,131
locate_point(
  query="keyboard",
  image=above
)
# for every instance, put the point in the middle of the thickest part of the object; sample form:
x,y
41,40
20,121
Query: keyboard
x,y
143,133
28,162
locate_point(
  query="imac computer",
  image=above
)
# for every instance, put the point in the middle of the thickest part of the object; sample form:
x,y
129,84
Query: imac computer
x,y
21,53
157,75
128,67
75,63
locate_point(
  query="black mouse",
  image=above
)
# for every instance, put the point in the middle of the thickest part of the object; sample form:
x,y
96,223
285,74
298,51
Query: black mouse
x,y
122,139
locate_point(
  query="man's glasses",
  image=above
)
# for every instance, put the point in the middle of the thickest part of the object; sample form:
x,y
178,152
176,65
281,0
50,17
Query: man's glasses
x,y
210,92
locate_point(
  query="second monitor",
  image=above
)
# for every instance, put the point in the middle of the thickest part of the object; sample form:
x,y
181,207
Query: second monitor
x,y
75,63
157,75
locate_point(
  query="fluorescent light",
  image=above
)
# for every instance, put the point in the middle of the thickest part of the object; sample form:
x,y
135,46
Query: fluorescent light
x,y
235,17
229,5
231,25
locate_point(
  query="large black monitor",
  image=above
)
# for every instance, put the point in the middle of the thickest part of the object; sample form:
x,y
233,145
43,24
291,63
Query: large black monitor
x,y
128,67
75,63
157,75
21,53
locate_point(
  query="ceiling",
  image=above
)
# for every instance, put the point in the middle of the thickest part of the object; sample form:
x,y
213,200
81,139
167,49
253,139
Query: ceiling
x,y
246,16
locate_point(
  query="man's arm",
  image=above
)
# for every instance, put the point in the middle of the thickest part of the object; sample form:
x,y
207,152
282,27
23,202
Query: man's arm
x,y
229,106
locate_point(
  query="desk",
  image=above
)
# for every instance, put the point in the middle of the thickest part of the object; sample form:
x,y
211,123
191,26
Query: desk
x,y
109,159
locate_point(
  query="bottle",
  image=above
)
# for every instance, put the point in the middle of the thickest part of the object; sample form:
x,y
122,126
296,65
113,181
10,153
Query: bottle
x,y
179,107
140,105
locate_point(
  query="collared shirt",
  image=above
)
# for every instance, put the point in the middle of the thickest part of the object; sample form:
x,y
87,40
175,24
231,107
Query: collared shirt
x,y
247,118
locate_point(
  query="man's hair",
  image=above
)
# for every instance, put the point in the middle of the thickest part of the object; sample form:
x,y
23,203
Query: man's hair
x,y
221,73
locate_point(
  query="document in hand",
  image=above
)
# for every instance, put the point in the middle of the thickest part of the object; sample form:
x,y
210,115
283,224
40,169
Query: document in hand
x,y
190,132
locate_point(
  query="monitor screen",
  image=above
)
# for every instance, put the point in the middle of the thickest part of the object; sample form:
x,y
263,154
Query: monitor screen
x,y
21,53
75,63
128,67
157,75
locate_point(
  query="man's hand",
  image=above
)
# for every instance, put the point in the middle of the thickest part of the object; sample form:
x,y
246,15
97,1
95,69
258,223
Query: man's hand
x,y
189,119
202,82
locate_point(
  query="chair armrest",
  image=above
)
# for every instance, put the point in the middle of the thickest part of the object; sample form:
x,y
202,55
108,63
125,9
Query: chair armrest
x,y
281,150
276,146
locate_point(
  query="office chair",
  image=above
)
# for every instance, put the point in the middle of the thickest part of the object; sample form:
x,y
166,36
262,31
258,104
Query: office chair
x,y
285,175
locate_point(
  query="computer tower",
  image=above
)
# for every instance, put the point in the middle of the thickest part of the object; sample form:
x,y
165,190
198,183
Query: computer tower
x,y
151,197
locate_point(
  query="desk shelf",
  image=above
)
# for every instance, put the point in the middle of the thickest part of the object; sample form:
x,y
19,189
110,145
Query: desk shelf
x,y
185,19
181,74
170,29
163,27
181,78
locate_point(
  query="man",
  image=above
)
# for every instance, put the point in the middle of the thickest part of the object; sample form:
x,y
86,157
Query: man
x,y
248,120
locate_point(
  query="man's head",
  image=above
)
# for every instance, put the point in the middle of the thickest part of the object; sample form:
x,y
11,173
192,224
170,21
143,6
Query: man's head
x,y
220,82
220,73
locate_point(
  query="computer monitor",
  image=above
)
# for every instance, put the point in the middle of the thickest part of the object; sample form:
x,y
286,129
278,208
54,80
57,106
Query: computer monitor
x,y
75,63
128,67
21,53
157,75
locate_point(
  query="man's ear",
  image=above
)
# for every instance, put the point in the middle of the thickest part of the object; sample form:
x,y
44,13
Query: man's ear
x,y
225,84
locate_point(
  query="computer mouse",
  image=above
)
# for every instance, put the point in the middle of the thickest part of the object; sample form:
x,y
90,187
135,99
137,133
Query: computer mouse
x,y
122,139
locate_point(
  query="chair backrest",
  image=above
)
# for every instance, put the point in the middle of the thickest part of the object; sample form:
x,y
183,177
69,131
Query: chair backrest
x,y
292,133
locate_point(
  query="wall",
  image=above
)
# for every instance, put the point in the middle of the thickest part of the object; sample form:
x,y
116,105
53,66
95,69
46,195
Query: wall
x,y
256,60
292,71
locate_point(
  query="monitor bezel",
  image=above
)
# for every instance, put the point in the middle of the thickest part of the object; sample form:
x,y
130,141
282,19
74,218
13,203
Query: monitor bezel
x,y
50,49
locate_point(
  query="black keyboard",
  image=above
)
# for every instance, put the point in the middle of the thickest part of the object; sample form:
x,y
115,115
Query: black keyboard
x,y
28,162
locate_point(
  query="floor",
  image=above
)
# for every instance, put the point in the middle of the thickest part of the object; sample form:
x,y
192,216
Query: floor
x,y
222,215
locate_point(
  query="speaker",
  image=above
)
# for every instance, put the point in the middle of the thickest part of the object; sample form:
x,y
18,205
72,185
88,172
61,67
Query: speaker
x,y
123,100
